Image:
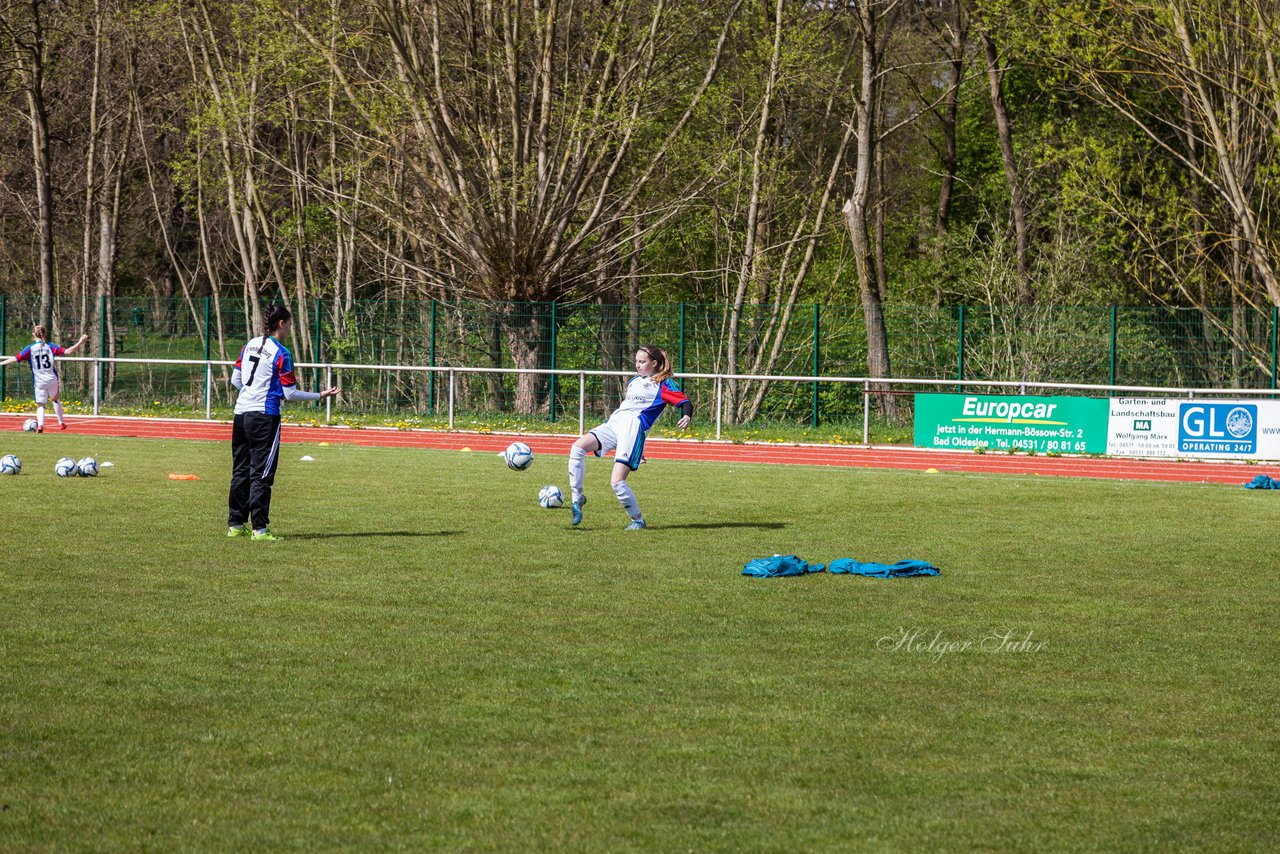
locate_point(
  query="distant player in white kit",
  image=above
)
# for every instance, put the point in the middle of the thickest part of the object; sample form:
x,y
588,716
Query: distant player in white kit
x,y
42,357
647,396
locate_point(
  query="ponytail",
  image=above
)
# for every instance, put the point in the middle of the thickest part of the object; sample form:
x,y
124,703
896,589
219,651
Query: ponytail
x,y
41,333
277,315
661,360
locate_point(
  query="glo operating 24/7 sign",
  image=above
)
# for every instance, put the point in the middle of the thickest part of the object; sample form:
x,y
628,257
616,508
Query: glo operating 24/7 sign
x,y
1217,428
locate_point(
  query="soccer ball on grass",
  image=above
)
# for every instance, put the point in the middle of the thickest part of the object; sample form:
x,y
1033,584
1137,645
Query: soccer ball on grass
x,y
550,497
65,467
518,456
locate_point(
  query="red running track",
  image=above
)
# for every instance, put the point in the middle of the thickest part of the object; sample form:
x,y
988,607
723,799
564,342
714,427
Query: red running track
x,y
857,456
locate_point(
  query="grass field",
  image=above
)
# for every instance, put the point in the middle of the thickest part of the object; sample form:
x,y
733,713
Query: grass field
x,y
430,660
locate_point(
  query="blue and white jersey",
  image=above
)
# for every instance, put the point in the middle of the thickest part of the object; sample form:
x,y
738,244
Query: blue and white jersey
x,y
40,356
645,399
265,368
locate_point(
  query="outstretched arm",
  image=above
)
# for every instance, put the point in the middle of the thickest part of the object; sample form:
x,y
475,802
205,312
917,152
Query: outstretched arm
x,y
292,392
8,360
284,363
76,346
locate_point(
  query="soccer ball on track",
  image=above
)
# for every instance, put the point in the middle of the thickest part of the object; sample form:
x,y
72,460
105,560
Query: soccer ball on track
x,y
29,426
518,456
550,497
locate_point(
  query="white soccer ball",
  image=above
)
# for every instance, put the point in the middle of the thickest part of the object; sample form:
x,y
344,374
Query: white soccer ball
x,y
550,497
65,467
518,456
88,467
10,464
29,426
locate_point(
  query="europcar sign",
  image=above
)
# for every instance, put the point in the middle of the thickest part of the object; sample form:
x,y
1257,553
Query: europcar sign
x,y
1073,425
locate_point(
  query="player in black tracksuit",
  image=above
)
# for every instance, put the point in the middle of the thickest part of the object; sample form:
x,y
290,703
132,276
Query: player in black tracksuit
x,y
264,377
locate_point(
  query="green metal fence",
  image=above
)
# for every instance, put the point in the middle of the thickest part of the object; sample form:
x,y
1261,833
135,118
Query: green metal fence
x,y
1112,345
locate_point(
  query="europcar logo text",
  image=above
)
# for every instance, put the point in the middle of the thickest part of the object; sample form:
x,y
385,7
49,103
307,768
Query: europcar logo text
x,y
1008,411
1218,428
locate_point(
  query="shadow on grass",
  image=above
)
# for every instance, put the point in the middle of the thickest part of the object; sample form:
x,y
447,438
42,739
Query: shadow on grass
x,y
375,534
707,526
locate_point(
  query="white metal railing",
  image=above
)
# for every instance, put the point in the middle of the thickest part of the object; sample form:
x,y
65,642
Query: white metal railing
x,y
870,385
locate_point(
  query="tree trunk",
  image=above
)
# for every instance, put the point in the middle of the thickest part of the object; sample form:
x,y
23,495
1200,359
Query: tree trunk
x,y
527,341
855,211
613,337
633,292
878,193
113,161
497,395
90,165
162,302
31,60
878,365
747,264
1004,129
106,283
820,205
950,116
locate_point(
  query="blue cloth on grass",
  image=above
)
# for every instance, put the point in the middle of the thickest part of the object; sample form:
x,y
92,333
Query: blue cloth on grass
x,y
779,566
901,569
1263,482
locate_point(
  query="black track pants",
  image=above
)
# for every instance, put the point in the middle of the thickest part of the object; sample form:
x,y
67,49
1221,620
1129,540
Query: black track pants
x,y
255,451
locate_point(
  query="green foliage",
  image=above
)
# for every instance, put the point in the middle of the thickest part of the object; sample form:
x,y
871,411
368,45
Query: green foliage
x,y
341,347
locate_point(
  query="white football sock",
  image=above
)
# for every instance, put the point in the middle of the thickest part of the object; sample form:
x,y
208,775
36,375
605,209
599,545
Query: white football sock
x,y
57,410
628,500
40,416
577,468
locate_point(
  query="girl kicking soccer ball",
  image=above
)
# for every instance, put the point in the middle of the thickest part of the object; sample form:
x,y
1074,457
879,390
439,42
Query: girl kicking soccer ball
x,y
647,395
41,356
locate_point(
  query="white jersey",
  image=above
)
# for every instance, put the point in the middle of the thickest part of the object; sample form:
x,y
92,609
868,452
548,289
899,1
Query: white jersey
x,y
646,399
40,356
265,367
